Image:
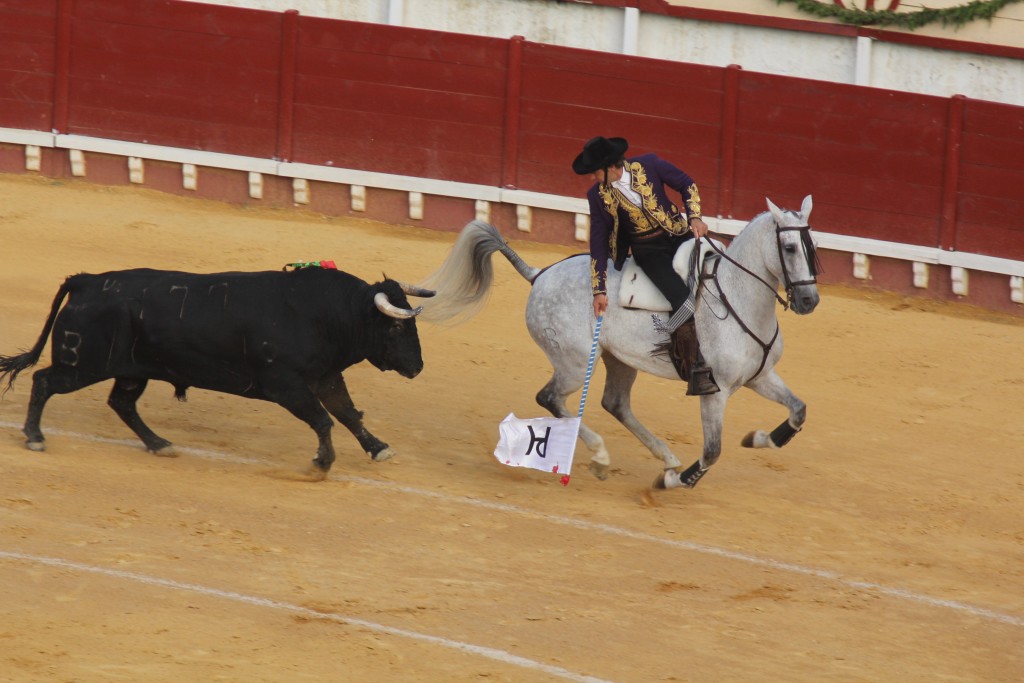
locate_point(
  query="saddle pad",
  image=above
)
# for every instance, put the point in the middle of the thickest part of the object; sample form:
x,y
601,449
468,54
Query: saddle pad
x,y
636,289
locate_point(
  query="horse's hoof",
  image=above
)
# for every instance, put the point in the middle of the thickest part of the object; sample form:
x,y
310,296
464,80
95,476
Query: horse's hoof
x,y
381,456
599,470
669,479
758,439
37,446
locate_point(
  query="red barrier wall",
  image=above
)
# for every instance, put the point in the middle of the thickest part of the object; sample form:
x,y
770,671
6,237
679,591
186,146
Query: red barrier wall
x,y
881,164
569,95
871,158
28,39
990,193
164,73
399,100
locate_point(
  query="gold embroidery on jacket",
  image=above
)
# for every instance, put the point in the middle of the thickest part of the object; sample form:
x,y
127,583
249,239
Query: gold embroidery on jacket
x,y
693,203
647,217
611,205
641,223
651,207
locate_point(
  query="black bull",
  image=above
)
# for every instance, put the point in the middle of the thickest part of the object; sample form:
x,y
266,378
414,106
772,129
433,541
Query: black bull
x,y
284,337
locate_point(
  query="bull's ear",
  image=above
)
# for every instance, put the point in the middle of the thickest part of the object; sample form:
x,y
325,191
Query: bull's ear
x,y
416,290
412,290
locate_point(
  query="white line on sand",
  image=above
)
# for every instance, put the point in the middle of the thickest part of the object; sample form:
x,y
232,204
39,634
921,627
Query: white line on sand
x,y
613,530
488,652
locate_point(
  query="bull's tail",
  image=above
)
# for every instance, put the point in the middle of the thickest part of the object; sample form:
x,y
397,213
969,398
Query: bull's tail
x,y
463,281
10,366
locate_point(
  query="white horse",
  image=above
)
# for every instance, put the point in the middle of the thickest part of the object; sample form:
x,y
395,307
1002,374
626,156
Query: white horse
x,y
735,317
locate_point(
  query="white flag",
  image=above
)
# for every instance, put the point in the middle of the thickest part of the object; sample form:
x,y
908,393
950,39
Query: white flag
x,y
542,443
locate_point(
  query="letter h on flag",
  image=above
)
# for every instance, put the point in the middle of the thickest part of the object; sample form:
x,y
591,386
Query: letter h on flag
x,y
544,443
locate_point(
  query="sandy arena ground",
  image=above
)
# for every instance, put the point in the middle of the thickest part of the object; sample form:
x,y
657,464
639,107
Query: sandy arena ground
x,y
885,543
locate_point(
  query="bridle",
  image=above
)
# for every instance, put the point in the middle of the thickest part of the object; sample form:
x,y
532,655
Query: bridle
x,y
810,251
813,266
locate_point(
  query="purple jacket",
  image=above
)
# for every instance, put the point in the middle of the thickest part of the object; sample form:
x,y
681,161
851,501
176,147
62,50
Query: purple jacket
x,y
613,219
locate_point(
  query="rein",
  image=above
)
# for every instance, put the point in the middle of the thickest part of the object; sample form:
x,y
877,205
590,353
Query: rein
x,y
790,285
812,263
766,347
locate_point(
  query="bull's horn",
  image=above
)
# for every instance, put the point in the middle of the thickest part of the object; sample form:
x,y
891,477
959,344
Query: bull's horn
x,y
416,290
388,308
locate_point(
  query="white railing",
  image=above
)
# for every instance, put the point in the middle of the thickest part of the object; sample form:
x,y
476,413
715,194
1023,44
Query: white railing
x,y
192,159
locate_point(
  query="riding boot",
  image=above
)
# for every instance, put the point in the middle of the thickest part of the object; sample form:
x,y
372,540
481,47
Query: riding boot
x,y
702,382
684,350
683,339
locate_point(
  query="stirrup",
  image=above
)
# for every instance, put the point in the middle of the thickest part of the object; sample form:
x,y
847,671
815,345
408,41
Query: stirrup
x,y
702,382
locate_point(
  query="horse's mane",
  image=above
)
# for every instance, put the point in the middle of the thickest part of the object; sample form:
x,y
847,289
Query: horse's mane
x,y
749,229
761,227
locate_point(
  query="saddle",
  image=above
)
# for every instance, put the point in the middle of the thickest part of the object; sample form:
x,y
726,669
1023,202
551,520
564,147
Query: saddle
x,y
636,289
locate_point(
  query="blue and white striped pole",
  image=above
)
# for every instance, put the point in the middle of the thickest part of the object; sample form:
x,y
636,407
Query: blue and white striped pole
x,y
590,365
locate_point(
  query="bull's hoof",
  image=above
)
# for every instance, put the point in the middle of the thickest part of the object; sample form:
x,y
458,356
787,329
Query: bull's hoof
x,y
162,448
599,469
382,455
315,473
310,473
165,452
37,446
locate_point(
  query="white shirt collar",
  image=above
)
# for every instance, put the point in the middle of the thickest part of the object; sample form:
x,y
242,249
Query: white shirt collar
x,y
625,186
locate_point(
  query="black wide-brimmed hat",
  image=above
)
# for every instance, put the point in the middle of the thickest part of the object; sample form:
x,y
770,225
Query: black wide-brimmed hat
x,y
598,153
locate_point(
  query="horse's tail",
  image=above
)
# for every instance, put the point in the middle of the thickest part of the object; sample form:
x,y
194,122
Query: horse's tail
x,y
10,366
464,280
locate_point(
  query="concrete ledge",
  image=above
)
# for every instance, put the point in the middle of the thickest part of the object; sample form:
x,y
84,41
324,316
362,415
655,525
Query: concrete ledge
x,y
385,181
26,137
159,153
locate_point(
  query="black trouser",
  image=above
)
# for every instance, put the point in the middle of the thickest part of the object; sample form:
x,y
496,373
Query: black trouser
x,y
654,256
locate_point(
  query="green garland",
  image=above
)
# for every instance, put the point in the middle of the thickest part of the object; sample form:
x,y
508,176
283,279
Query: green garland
x,y
956,16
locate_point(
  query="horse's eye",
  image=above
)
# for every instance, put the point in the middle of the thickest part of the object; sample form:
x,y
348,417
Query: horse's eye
x,y
791,248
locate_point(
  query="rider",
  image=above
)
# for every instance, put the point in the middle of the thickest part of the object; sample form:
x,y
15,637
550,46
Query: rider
x,y
630,212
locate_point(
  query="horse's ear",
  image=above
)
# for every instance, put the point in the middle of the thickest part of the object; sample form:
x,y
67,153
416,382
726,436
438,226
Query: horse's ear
x,y
776,211
805,208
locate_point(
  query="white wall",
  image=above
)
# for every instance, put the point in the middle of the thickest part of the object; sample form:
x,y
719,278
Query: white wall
x,y
937,72
785,53
789,53
1006,27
